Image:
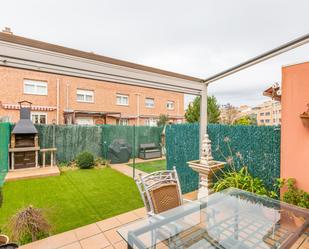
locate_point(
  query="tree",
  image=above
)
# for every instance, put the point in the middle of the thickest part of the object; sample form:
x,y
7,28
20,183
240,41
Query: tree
x,y
163,120
192,114
246,120
228,114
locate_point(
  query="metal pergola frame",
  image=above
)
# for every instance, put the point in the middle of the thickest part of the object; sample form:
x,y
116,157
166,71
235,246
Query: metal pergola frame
x,y
251,62
19,52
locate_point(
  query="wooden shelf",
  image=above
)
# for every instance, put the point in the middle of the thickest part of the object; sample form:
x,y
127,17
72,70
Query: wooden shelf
x,y
304,116
24,149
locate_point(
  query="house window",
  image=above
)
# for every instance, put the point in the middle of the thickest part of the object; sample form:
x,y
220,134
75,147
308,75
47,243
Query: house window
x,y
267,120
170,105
124,121
122,99
262,120
35,87
151,122
85,95
267,113
149,102
262,114
39,118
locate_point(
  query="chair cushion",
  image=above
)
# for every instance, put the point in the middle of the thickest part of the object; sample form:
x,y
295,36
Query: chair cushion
x,y
165,197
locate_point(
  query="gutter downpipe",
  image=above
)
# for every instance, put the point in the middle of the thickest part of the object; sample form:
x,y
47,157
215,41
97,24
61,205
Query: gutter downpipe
x,y
138,108
58,99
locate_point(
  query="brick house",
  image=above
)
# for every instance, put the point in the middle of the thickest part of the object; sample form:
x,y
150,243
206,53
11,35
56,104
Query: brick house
x,y
68,86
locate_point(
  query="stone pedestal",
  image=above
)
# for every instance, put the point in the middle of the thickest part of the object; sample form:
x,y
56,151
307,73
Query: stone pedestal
x,y
206,174
206,167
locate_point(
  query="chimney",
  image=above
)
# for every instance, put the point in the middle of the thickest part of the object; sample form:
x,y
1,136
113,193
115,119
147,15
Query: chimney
x,y
7,30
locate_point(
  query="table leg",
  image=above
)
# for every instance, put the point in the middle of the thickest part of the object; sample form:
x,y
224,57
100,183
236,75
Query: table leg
x,y
43,158
36,159
52,159
12,161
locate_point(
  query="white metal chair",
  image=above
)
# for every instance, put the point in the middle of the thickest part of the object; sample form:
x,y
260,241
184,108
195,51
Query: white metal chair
x,y
160,191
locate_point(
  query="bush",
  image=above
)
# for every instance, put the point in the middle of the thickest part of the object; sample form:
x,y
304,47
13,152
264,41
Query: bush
x,y
28,224
295,196
242,179
85,160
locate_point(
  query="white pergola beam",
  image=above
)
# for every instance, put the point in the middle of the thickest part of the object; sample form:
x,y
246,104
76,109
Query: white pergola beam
x,y
260,58
203,115
25,57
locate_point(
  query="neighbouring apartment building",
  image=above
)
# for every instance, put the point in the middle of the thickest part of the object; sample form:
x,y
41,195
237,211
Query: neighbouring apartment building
x,y
268,113
67,95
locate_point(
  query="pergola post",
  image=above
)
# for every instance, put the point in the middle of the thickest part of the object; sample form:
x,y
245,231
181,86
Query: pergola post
x,y
203,115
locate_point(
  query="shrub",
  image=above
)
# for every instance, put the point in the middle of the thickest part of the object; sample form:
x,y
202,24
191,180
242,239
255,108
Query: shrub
x,y
242,179
101,162
28,224
85,160
295,196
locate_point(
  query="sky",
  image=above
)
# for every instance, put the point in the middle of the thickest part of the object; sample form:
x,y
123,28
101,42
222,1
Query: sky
x,y
198,37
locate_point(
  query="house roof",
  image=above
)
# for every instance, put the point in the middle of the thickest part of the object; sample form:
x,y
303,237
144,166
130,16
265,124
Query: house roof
x,y
273,92
87,55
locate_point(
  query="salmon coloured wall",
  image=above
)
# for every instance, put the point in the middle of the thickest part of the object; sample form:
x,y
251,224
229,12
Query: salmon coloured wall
x,y
294,134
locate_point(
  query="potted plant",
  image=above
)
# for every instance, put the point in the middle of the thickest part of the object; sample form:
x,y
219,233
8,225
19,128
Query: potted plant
x,y
3,239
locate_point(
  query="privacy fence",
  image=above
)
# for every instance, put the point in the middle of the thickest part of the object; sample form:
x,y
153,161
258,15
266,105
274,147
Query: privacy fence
x,y
257,147
5,129
70,140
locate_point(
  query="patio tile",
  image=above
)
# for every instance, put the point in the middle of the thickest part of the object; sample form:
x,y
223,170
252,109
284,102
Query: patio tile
x,y
37,245
62,239
86,231
127,217
53,242
75,245
109,247
121,245
95,242
108,224
141,212
113,236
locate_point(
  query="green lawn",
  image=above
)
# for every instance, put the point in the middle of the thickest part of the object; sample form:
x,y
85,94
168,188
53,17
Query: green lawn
x,y
150,166
73,199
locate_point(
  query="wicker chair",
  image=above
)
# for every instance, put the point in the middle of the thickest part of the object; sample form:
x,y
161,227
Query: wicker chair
x,y
160,191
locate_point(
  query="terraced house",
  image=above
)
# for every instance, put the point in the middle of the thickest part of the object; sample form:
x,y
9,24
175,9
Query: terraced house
x,y
68,86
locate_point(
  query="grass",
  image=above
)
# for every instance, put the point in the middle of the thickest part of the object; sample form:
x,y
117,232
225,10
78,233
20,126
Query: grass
x,y
73,199
150,166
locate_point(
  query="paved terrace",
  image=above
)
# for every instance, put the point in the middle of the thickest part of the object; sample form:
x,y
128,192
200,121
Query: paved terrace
x,y
102,234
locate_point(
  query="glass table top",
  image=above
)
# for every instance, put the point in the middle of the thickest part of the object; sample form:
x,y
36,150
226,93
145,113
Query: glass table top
x,y
228,219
